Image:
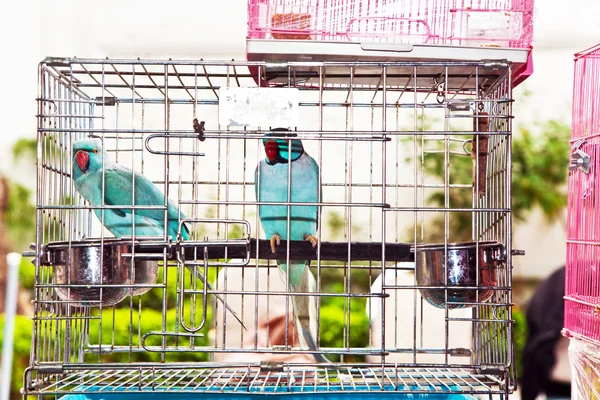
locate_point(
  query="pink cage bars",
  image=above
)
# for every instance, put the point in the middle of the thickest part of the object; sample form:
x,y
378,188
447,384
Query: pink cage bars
x,y
582,292
473,23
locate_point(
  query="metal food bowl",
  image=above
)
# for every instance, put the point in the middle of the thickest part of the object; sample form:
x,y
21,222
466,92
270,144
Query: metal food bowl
x,y
145,273
89,269
469,265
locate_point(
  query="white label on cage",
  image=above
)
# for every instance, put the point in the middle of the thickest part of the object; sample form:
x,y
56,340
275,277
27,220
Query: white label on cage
x,y
494,25
264,107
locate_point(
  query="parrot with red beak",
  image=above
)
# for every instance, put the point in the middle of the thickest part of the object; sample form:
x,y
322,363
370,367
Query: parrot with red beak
x,y
92,168
273,178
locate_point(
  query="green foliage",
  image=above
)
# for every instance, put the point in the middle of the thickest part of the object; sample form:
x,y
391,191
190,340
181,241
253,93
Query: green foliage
x,y
336,329
120,326
22,347
25,147
235,232
539,178
335,311
19,217
27,273
520,337
539,170
335,223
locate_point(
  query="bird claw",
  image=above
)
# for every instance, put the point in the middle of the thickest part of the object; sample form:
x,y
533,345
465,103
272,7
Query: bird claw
x,y
312,239
275,241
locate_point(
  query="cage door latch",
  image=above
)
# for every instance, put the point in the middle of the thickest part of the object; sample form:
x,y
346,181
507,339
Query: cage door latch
x,y
579,159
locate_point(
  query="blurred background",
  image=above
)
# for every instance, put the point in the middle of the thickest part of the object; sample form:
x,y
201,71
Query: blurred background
x,y
32,30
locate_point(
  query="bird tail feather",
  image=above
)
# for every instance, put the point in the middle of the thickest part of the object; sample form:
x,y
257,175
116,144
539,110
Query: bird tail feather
x,y
305,311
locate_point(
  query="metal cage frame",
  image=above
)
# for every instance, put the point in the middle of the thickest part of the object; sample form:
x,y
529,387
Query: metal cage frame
x,y
582,287
432,22
372,127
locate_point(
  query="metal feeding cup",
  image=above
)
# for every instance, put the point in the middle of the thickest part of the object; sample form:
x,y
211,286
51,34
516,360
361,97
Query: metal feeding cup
x,y
464,276
98,272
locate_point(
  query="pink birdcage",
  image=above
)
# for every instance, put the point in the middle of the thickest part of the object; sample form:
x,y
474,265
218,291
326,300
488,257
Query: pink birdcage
x,y
582,291
473,23
392,30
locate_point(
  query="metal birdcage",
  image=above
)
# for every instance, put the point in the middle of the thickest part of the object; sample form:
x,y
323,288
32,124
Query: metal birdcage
x,y
415,171
582,293
485,23
392,30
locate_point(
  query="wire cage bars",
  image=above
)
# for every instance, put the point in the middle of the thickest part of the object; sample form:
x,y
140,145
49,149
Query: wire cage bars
x,y
412,277
582,291
485,23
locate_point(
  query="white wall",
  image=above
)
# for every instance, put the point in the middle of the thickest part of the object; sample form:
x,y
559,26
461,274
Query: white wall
x,y
31,30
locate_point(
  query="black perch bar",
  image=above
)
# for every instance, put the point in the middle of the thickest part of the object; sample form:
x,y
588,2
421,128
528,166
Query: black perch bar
x,y
303,250
58,252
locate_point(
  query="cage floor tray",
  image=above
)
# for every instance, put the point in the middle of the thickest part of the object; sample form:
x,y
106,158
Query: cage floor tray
x,y
307,52
401,382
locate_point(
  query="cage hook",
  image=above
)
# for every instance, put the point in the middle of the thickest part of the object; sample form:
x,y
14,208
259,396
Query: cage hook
x,y
199,129
464,147
441,96
579,159
53,103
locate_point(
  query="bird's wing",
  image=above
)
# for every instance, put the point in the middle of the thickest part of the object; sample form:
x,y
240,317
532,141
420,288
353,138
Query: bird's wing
x,y
118,192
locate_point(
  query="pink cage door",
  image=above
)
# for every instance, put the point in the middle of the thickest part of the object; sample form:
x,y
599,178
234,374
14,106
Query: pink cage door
x,y
582,291
478,23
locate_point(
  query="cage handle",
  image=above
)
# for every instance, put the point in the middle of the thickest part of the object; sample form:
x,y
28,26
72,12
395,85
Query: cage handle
x,y
349,33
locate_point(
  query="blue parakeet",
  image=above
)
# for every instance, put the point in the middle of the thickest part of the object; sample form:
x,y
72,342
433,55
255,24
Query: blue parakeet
x,y
89,159
271,185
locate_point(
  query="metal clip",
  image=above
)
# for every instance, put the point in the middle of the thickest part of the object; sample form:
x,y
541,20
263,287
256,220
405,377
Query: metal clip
x,y
106,101
57,61
199,129
51,368
441,95
580,159
495,64
42,256
459,106
270,366
32,252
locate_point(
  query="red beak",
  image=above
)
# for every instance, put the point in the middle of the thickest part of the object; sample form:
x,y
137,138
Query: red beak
x,y
272,150
82,158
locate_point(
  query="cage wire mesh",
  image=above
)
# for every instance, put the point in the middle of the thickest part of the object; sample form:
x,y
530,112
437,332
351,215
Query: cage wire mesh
x,y
582,290
413,157
477,23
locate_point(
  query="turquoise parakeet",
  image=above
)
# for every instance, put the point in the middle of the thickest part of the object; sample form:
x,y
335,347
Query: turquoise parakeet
x,y
89,159
271,185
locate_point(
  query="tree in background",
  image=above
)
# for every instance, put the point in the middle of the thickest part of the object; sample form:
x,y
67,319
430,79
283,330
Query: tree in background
x,y
539,178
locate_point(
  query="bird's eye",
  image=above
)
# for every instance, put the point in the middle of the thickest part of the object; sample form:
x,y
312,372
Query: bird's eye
x,y
95,151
